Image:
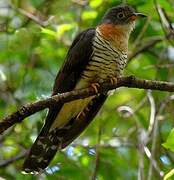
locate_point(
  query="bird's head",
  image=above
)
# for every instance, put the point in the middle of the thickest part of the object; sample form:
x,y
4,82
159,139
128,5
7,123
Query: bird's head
x,y
123,15
117,24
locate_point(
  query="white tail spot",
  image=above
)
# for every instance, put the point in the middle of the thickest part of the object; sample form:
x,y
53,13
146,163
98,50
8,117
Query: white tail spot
x,y
53,147
40,159
33,156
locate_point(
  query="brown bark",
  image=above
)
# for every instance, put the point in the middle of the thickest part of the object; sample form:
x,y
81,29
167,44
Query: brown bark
x,y
32,108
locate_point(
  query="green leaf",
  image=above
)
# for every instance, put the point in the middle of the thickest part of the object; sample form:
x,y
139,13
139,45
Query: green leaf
x,y
89,15
95,3
61,29
169,175
49,32
169,144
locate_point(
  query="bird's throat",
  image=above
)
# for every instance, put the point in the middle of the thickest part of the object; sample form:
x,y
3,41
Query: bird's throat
x,y
118,35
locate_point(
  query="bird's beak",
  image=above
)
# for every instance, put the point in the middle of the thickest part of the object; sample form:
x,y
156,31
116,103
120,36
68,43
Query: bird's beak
x,y
135,16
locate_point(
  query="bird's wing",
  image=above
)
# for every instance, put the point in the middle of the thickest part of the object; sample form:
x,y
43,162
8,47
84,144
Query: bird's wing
x,y
77,58
47,143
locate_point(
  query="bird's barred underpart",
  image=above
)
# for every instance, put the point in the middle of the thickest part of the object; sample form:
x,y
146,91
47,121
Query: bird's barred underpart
x,y
106,61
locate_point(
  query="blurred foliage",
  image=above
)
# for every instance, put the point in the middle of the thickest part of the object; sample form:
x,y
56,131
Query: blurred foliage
x,y
169,175
31,53
169,142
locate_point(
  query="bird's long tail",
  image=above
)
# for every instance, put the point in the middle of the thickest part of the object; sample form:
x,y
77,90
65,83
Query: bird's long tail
x,y
46,145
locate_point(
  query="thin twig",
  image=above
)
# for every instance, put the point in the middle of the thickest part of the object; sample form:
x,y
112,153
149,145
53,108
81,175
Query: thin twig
x,y
150,155
32,17
140,105
141,154
97,161
166,23
152,129
145,47
152,112
153,162
140,35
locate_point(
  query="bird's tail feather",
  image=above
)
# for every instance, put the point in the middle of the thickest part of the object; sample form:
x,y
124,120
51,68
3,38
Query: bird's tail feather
x,y
43,151
46,145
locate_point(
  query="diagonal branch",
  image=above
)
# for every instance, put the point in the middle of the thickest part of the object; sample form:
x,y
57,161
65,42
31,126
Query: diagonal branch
x,y
145,47
130,81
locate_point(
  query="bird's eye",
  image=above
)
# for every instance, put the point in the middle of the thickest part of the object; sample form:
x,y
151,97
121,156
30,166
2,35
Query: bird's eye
x,y
120,15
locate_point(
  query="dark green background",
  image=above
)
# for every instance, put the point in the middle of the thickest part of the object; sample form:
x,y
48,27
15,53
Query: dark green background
x,y
30,57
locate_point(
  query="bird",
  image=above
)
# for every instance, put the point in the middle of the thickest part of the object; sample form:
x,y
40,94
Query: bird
x,y
96,54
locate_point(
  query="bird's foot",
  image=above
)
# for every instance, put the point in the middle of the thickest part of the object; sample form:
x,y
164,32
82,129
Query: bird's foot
x,y
87,109
81,115
95,86
113,80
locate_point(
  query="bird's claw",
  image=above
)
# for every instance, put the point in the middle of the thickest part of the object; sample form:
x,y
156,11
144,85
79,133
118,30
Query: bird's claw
x,y
95,86
113,80
81,115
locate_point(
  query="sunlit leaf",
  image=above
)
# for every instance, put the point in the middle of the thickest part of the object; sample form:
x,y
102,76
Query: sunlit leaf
x,y
62,28
89,15
169,144
48,32
95,3
169,175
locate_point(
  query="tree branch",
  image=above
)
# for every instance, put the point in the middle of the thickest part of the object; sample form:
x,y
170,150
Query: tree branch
x,y
130,81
